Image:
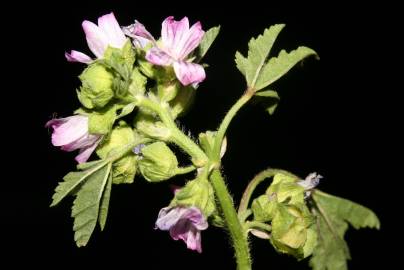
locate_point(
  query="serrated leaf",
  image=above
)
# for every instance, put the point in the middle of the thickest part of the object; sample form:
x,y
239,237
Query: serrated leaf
x,y
73,179
268,93
258,52
87,165
333,216
206,42
86,206
102,217
279,66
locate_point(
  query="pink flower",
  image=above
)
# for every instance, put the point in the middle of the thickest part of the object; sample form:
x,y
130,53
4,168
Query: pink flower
x,y
178,41
99,37
184,223
71,133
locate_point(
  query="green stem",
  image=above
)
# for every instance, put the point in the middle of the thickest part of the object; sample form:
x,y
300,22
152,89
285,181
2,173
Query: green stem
x,y
258,225
199,158
221,132
185,170
233,224
245,200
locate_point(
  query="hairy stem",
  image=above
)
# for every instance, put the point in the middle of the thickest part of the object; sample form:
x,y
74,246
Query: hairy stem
x,y
233,224
221,132
199,158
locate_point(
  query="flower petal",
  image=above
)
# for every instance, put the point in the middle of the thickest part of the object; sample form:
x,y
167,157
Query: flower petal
x,y
75,56
158,57
82,142
189,41
188,73
137,30
96,39
168,217
173,33
86,152
71,130
197,218
110,27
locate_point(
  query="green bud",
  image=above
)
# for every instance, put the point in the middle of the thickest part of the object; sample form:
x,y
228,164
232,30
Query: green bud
x,y
100,122
138,83
158,163
292,230
264,208
167,91
286,189
96,90
149,126
123,169
183,101
199,193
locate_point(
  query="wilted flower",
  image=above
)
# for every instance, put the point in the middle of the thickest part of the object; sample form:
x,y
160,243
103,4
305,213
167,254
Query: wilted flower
x,y
71,133
185,223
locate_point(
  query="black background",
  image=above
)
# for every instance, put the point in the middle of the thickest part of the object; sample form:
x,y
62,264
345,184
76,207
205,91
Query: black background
x,y
331,119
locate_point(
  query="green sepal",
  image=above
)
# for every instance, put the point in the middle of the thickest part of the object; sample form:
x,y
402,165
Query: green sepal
x,y
208,38
101,121
199,193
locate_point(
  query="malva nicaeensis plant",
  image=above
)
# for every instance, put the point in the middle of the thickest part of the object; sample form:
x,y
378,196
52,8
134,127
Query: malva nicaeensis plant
x,y
131,96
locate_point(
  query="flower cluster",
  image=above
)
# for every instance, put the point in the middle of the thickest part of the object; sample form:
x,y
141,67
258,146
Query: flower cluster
x,y
113,82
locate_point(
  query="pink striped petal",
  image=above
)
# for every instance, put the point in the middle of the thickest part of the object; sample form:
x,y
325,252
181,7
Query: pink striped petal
x,y
75,56
158,57
189,41
96,39
71,130
138,30
173,33
111,29
85,153
189,73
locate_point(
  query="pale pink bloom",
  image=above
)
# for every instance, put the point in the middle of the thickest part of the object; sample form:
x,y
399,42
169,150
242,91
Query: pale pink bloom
x,y
185,223
71,133
178,41
99,37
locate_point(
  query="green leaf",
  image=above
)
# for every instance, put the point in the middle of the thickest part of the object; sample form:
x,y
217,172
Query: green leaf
x,y
127,109
102,217
258,52
333,215
73,180
269,99
100,122
206,42
86,206
279,66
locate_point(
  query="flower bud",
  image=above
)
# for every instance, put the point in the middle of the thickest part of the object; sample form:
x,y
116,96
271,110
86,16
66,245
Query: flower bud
x,y
96,90
123,169
158,162
167,91
292,231
199,193
149,126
